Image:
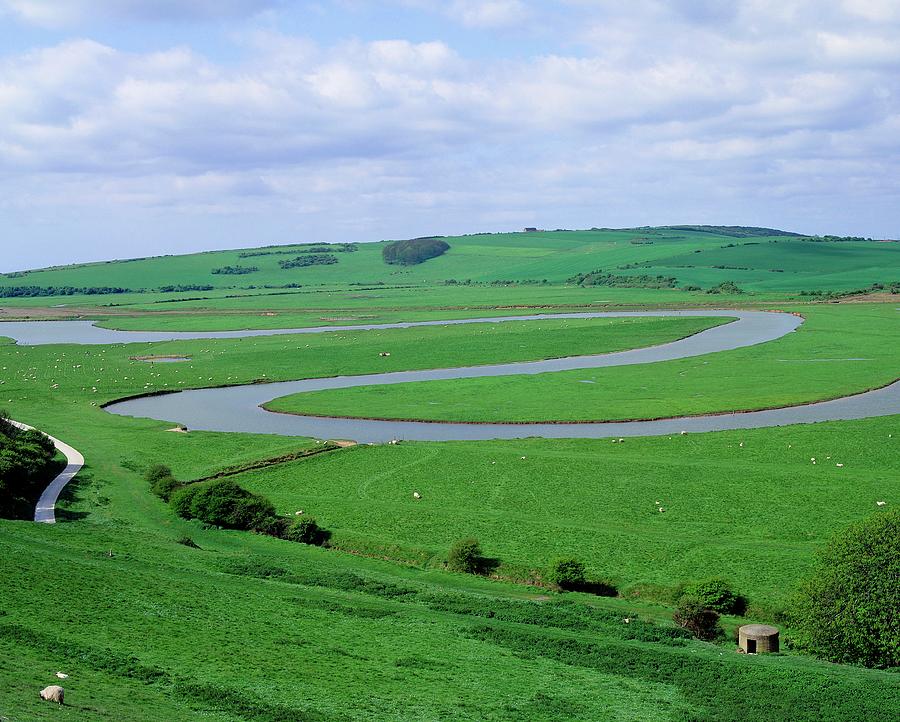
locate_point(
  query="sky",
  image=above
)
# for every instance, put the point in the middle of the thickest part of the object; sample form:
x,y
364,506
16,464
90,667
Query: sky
x,y
133,128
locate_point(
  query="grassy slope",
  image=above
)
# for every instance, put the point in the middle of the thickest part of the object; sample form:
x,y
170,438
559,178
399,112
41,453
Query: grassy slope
x,y
112,582
840,349
753,513
553,256
331,639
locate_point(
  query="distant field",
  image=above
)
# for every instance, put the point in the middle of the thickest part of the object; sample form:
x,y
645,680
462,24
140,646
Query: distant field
x,y
840,349
773,263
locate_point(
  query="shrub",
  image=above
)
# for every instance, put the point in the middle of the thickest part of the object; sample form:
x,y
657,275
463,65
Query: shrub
x,y
693,615
188,542
165,487
413,251
465,556
847,609
716,594
181,501
224,503
156,472
567,574
725,287
305,530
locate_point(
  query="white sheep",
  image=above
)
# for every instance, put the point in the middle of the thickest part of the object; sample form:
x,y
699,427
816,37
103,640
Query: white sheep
x,y
880,503
53,693
416,495
62,675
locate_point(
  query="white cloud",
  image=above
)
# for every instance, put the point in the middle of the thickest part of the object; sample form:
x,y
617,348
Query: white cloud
x,y
488,13
659,112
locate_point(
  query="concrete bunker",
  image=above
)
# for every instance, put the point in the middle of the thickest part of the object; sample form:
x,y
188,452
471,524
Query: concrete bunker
x,y
758,639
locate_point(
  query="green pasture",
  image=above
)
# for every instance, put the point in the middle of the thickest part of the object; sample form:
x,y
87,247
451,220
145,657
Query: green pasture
x,y
839,349
252,628
746,505
774,264
249,627
784,265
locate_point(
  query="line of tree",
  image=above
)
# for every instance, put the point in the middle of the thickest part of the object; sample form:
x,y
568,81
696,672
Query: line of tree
x,y
234,270
600,278
38,291
313,248
413,251
185,287
26,465
312,259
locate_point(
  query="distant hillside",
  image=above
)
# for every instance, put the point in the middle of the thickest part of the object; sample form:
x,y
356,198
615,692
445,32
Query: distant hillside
x,y
736,231
754,259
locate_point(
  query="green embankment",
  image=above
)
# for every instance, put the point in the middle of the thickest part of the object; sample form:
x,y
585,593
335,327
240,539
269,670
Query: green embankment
x,y
840,349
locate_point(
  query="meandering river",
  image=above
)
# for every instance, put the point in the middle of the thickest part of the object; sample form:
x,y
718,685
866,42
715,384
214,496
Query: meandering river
x,y
238,408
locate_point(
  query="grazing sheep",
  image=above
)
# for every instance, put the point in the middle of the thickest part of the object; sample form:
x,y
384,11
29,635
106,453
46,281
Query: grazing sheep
x,y
416,495
839,466
62,675
384,354
661,510
880,503
299,512
53,693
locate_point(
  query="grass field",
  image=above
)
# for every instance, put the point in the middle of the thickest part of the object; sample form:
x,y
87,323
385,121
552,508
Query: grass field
x,y
840,349
760,263
249,627
531,501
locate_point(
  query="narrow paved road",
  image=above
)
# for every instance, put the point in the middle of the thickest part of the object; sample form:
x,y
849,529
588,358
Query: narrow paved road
x,y
45,511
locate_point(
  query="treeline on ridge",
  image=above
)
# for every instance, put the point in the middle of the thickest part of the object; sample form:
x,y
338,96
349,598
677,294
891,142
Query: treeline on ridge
x,y
26,465
311,259
413,251
313,248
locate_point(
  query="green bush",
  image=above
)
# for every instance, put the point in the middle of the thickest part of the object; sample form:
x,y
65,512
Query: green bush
x,y
224,503
465,556
165,486
693,615
847,609
182,499
567,574
716,594
305,530
26,467
157,472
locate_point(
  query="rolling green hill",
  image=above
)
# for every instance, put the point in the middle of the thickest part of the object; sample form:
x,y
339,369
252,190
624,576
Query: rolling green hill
x,y
694,256
154,617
